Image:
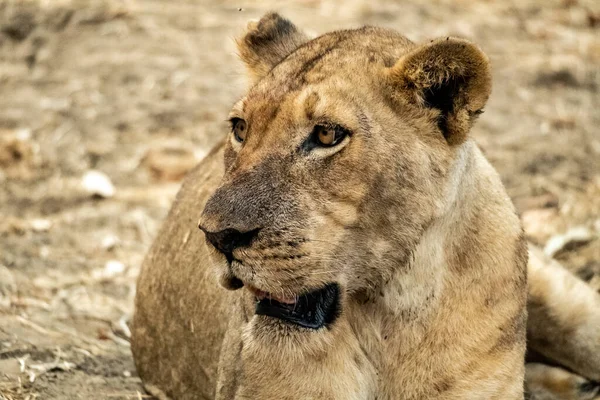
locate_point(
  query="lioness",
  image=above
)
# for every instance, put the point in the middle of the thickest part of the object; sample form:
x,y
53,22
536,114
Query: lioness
x,y
378,251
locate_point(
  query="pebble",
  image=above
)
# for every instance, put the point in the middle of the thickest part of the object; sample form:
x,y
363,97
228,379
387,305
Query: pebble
x,y
114,267
109,242
44,251
111,269
98,184
40,225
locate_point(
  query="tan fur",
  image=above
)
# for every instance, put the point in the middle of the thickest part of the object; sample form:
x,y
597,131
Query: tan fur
x,y
552,383
406,215
564,322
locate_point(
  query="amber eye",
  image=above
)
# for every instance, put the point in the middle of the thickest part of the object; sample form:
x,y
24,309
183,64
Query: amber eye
x,y
239,128
328,136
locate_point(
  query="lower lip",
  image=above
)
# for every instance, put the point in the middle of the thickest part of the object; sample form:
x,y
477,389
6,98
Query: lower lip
x,y
313,310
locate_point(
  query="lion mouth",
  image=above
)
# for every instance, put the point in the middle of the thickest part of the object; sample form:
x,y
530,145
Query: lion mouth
x,y
311,310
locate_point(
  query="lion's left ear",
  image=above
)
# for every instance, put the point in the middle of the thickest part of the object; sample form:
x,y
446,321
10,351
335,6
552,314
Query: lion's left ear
x,y
267,42
449,75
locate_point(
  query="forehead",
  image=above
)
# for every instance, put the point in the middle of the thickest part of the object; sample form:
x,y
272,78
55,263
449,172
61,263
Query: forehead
x,y
339,57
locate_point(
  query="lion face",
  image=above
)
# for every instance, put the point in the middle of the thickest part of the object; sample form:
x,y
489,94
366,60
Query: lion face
x,y
337,160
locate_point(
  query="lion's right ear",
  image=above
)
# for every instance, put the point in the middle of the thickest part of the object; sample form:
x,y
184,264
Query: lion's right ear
x,y
448,76
267,42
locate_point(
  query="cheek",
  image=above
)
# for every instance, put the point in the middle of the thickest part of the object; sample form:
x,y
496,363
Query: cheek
x,y
401,198
336,194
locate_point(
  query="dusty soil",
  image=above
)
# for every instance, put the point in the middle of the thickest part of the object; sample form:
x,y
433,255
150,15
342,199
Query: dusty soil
x,y
139,91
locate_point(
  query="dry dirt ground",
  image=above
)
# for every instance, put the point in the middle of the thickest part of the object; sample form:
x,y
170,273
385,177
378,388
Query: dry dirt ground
x,y
139,89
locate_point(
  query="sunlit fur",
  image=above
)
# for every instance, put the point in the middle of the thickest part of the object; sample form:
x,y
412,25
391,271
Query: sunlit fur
x,y
405,214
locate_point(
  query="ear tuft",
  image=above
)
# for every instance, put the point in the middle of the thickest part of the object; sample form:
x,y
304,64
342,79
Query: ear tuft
x,y
267,42
449,75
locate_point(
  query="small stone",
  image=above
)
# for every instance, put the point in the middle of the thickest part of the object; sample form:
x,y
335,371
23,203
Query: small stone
x,y
98,184
574,237
44,252
111,269
114,267
127,374
40,225
109,242
23,134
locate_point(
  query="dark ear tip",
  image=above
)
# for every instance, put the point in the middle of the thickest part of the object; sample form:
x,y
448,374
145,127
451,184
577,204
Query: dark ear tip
x,y
456,43
271,16
463,58
270,25
267,42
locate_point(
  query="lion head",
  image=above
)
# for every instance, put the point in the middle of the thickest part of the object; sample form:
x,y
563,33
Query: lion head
x,y
339,158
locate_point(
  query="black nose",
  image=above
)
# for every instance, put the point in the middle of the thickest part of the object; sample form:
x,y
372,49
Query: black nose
x,y
230,239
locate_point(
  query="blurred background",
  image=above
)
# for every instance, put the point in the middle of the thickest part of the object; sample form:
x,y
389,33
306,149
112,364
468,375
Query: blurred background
x,y
105,104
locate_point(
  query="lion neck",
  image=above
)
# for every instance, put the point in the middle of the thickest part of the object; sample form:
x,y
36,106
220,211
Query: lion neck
x,y
425,296
415,289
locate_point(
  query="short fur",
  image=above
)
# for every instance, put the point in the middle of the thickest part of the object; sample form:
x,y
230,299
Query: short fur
x,y
406,215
